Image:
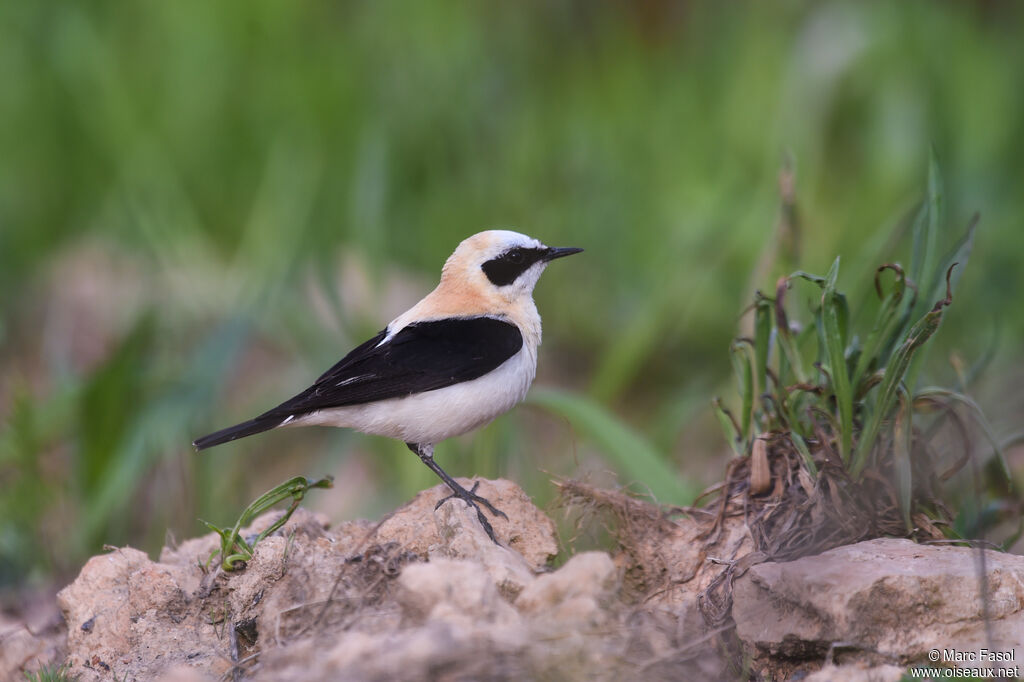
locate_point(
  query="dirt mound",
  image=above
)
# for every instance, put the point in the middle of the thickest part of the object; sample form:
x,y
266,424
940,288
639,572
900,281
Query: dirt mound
x,y
424,594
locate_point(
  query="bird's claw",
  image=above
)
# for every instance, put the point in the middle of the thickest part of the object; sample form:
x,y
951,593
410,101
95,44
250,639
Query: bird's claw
x,y
471,498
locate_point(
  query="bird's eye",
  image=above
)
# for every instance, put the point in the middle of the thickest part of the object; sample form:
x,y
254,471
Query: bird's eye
x,y
514,256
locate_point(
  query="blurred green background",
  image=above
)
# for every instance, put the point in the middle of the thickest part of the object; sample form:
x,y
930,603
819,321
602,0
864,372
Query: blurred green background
x,y
204,204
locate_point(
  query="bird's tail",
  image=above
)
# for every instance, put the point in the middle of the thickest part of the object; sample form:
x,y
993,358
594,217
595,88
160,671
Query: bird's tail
x,y
257,425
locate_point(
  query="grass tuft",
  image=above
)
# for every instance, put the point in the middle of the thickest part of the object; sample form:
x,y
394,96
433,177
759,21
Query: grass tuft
x,y
840,426
51,673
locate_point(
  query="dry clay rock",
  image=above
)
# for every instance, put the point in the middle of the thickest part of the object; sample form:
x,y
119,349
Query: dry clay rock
x,y
130,617
887,600
456,625
527,530
133,618
426,595
26,648
857,673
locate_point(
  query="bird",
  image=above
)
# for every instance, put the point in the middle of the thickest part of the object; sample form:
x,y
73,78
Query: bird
x,y
463,355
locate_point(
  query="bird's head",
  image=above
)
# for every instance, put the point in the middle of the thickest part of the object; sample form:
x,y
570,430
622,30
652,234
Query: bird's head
x,y
501,261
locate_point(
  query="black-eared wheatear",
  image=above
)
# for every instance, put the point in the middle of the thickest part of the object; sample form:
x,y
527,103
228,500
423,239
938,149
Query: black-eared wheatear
x,y
453,362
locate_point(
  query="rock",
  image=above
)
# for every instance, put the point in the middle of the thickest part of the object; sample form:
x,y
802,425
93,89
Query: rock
x,y
462,537
183,673
429,652
21,649
456,592
457,625
98,610
134,618
857,673
566,608
527,530
131,617
427,595
888,600
573,592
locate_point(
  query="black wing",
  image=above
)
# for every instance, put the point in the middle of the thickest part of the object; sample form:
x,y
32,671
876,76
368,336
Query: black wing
x,y
424,356
421,357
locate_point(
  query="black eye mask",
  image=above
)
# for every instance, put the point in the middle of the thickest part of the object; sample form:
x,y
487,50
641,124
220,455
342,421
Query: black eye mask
x,y
506,268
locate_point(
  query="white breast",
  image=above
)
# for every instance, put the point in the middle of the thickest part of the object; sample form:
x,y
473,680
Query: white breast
x,y
431,417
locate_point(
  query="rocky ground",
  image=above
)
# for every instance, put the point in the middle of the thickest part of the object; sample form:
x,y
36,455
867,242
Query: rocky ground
x,y
424,594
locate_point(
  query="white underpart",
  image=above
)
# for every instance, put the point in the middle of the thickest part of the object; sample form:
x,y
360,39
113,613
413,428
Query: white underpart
x,y
433,416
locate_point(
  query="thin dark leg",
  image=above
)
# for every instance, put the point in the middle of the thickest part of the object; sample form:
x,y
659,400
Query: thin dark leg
x,y
426,455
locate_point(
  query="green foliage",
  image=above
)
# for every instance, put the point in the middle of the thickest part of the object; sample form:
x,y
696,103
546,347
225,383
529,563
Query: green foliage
x,y
234,549
203,204
859,410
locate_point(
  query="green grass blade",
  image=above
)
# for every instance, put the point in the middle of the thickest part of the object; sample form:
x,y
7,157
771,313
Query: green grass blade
x,y
932,274
834,348
801,446
894,373
52,672
762,342
740,352
925,234
625,449
903,437
887,324
627,351
957,255
832,276
793,406
814,279
105,416
790,359
960,253
729,426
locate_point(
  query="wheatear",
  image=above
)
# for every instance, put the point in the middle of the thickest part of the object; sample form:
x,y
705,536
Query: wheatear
x,y
453,362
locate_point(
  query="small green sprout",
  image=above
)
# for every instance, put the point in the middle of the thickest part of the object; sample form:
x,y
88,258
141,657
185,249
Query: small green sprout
x,y
51,673
234,549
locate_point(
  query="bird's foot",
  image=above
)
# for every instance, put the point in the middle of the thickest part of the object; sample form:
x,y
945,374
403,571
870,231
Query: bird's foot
x,y
471,498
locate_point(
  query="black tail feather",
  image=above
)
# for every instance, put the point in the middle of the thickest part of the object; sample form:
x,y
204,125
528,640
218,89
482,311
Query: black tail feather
x,y
258,425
